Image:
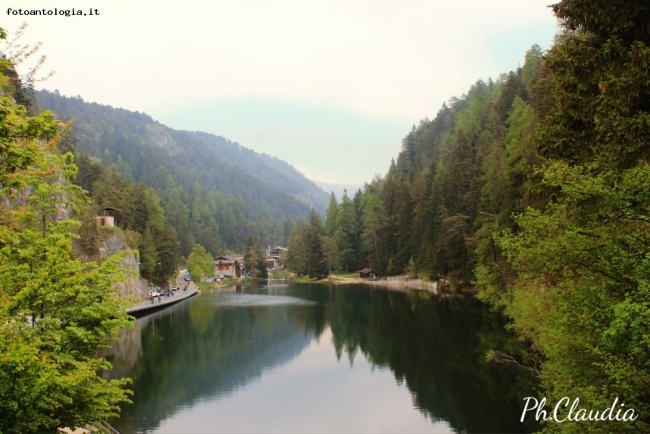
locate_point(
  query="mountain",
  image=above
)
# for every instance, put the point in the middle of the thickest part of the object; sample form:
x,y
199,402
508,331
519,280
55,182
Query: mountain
x,y
339,188
261,192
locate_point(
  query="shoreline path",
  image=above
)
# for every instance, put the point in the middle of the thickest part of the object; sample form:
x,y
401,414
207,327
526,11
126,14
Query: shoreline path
x,y
144,307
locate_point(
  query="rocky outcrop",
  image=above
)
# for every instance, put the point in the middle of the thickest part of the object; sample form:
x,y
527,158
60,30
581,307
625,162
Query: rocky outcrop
x,y
115,243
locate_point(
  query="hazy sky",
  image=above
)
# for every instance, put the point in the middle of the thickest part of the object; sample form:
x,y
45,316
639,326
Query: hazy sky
x,y
331,86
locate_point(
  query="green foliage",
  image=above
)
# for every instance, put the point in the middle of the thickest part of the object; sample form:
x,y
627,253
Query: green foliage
x,y
200,262
332,215
255,259
316,267
458,177
16,131
579,291
347,233
89,232
148,260
137,209
535,187
412,270
375,222
251,258
297,249
330,254
307,253
55,311
575,275
239,191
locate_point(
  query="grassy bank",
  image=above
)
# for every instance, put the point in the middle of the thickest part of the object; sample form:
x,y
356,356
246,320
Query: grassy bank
x,y
337,277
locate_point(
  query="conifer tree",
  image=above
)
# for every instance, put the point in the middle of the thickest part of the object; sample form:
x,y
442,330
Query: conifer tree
x,y
346,233
577,288
374,224
297,255
316,263
331,216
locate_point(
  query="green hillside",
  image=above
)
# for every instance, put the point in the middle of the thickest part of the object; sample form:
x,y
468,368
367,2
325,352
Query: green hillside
x,y
214,191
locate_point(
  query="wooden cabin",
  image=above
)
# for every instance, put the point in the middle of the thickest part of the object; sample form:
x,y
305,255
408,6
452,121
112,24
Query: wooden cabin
x,y
228,267
366,273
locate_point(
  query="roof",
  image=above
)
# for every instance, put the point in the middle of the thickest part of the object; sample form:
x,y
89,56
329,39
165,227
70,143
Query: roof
x,y
366,270
228,260
223,258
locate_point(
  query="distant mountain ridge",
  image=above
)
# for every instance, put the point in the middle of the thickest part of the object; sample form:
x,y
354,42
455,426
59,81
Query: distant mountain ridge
x,y
271,170
267,189
339,189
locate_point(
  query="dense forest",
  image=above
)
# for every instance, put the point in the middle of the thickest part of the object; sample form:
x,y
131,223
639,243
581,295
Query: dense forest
x,y
137,211
56,307
213,191
533,190
457,178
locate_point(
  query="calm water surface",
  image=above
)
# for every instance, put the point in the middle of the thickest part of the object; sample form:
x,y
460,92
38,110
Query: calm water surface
x,y
308,358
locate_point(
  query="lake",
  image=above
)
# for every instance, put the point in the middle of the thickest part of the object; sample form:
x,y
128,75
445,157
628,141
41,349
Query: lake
x,y
310,358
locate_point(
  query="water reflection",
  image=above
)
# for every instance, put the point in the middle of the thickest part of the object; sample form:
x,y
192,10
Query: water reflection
x,y
305,358
242,300
437,347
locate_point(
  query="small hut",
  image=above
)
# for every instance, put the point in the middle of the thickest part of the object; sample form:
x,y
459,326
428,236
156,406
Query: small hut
x,y
107,219
365,273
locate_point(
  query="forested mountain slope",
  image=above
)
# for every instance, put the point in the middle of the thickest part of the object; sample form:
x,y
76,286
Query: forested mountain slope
x,y
214,191
458,177
533,190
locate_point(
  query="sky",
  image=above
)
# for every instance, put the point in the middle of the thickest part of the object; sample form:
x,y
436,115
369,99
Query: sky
x,y
331,87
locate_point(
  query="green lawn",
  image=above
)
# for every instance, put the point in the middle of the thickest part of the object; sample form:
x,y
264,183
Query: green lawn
x,y
343,274
279,274
335,274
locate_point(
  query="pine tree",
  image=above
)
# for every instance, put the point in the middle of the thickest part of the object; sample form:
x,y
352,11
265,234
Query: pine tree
x,y
330,254
331,216
148,257
297,259
316,262
346,233
375,221
251,257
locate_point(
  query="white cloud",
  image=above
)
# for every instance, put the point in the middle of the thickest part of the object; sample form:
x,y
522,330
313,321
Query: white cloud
x,y
386,59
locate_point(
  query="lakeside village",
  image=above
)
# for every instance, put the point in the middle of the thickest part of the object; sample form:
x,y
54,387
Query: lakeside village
x,y
232,269
229,269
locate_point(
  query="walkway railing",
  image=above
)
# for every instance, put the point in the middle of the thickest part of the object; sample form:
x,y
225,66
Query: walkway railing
x,y
109,429
160,302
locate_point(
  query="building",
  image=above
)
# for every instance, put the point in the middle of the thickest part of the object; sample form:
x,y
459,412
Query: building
x,y
107,219
228,267
274,263
278,251
275,257
366,273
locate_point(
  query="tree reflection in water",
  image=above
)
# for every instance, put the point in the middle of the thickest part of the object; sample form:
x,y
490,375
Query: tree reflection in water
x,y
209,347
